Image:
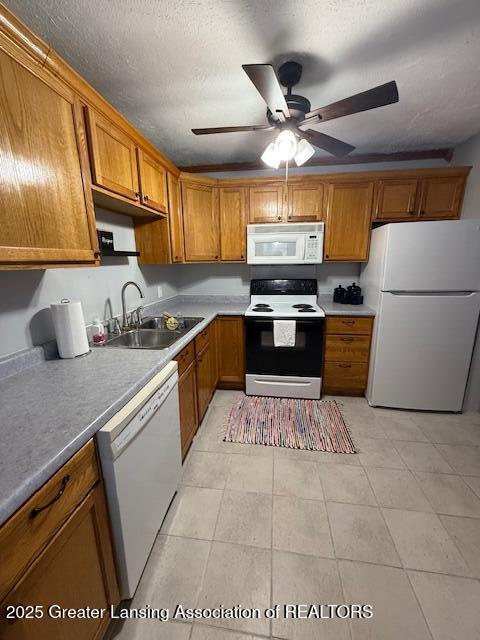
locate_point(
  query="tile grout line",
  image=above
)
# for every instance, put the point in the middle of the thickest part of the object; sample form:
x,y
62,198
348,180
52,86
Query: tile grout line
x,y
327,515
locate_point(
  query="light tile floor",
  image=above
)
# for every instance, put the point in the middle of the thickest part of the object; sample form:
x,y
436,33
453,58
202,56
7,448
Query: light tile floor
x,y
396,526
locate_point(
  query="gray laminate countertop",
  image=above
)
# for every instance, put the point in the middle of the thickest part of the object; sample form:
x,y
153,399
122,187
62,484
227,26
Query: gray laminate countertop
x,y
50,410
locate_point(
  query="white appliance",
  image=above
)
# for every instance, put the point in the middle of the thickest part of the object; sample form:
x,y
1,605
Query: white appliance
x,y
141,463
423,279
300,243
293,371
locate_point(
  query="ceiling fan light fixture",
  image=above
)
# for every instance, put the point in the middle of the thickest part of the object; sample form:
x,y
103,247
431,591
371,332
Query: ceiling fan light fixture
x,y
304,152
286,145
270,156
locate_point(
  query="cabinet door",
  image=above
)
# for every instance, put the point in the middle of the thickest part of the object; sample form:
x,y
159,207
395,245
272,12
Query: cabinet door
x,y
175,218
204,380
347,228
46,209
441,197
200,223
187,391
153,182
233,221
396,199
76,569
305,202
113,157
266,203
231,352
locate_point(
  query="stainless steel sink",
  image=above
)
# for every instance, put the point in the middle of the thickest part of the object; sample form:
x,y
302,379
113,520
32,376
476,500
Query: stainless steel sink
x,y
151,335
144,339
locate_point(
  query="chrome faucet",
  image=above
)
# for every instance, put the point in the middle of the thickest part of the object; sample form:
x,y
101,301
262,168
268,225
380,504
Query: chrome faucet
x,y
125,325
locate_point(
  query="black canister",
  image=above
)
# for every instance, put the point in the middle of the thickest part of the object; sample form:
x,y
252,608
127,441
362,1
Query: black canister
x,y
354,294
340,294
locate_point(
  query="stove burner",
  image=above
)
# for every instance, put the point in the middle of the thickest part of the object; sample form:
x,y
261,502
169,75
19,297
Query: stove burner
x,y
310,310
263,309
302,306
260,305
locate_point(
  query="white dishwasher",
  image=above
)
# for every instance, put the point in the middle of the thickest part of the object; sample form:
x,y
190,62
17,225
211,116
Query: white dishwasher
x,y
141,462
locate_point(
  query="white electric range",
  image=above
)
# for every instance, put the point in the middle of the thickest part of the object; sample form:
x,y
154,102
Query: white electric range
x,y
284,371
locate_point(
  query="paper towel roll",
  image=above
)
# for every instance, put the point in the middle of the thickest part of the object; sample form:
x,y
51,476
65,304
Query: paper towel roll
x,y
70,328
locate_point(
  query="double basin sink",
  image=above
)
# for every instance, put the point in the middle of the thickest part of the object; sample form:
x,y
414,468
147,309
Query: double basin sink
x,y
151,334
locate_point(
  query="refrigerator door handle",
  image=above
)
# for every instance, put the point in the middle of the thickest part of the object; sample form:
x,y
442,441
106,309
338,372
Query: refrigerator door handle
x,y
449,294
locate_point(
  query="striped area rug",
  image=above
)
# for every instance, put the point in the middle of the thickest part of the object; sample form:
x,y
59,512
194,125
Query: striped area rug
x,y
314,425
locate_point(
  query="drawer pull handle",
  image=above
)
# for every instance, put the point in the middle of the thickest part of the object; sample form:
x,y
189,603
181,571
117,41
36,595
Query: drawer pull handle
x,y
36,510
347,339
345,365
348,322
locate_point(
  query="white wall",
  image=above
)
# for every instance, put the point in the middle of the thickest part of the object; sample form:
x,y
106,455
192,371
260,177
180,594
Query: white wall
x,y
468,153
234,279
25,296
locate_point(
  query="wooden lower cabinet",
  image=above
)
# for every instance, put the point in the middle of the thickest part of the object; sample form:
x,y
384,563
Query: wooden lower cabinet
x,y
205,387
74,570
347,353
231,352
187,392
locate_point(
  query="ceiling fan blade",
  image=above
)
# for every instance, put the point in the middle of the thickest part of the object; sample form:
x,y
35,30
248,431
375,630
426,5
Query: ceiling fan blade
x,y
266,83
327,143
254,127
377,97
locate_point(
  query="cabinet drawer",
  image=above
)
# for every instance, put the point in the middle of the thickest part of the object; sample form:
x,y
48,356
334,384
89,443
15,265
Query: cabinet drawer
x,y
185,358
201,340
30,528
344,348
345,376
350,324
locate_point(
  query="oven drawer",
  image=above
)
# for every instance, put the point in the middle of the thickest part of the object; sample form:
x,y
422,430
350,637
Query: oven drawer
x,y
349,324
340,377
345,348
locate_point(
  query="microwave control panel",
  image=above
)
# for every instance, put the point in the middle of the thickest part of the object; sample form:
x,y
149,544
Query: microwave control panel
x,y
312,246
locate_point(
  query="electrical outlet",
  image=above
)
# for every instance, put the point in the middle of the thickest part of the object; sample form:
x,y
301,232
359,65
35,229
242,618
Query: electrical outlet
x,y
160,291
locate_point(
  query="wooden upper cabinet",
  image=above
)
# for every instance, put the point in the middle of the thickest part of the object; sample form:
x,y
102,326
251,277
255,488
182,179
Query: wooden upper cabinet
x,y
200,222
347,228
305,202
175,218
441,197
153,182
113,157
233,223
396,199
46,209
266,203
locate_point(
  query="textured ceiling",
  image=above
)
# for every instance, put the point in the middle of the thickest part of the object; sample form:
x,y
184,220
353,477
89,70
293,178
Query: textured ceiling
x,y
170,65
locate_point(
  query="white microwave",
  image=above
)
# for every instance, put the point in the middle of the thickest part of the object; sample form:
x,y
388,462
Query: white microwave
x,y
300,243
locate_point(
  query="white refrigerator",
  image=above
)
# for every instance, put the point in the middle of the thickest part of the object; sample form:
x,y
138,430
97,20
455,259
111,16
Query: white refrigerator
x,y
423,280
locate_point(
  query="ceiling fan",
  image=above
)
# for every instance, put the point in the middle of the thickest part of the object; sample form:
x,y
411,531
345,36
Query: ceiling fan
x,y
289,113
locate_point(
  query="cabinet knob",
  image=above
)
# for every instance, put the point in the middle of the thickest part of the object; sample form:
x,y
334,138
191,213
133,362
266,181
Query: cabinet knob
x,y
279,217
216,257
137,194
145,198
96,254
289,217
242,257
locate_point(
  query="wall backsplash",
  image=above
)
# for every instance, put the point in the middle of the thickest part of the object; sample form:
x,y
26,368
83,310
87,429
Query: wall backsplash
x,y
25,298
